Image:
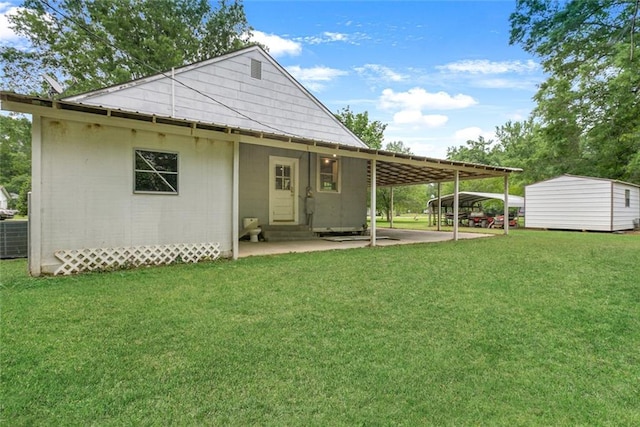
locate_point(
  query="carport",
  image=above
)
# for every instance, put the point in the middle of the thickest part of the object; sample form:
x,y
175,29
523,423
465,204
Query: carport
x,y
468,199
389,169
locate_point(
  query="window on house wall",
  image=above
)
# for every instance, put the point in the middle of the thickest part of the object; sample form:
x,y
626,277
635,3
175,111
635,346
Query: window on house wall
x,y
627,198
155,172
329,174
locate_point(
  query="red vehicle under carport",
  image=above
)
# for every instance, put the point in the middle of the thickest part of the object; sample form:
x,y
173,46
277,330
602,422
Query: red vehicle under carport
x,y
471,211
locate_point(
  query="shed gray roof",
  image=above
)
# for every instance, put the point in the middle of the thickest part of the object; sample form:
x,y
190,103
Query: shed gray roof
x,y
589,178
467,199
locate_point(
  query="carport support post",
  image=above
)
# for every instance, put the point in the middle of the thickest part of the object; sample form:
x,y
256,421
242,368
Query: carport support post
x,y
456,198
391,209
235,200
506,205
439,215
373,203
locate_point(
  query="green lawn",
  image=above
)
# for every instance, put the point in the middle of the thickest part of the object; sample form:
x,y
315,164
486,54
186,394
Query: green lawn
x,y
534,328
421,222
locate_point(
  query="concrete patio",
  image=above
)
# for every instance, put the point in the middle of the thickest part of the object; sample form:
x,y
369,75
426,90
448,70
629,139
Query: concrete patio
x,y
386,237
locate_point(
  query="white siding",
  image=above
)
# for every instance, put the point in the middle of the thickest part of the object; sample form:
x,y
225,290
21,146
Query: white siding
x,y
87,190
623,216
226,94
570,203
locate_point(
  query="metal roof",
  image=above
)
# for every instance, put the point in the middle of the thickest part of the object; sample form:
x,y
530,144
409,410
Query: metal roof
x,y
392,169
468,199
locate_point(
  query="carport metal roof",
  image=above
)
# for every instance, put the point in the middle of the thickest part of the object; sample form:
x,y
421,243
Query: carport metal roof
x,y
392,169
468,199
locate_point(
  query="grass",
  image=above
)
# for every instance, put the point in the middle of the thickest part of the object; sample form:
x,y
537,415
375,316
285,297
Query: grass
x,y
421,222
534,328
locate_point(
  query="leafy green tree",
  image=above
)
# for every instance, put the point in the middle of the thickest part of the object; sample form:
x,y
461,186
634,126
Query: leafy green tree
x,y
589,107
15,152
95,43
22,204
482,151
370,132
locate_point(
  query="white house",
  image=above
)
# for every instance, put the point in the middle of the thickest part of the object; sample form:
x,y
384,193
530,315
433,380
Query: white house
x,y
166,167
571,202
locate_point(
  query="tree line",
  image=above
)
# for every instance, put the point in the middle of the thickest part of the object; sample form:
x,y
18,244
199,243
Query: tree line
x,y
586,120
587,115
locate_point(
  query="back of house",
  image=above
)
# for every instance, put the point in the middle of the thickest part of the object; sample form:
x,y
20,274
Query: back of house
x,y
167,166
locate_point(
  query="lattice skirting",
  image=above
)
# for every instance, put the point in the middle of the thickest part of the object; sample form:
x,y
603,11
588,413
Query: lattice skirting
x,y
78,260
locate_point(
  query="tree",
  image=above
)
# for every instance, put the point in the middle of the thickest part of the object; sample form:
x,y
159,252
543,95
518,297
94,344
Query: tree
x,y
371,133
15,152
589,107
94,43
406,198
482,151
15,158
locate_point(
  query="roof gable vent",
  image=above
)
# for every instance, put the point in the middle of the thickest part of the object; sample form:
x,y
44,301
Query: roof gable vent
x,y
256,69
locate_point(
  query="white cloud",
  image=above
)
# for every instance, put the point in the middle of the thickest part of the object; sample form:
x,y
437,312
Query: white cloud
x,y
418,99
277,45
7,35
327,37
336,37
331,37
377,71
416,118
484,66
312,78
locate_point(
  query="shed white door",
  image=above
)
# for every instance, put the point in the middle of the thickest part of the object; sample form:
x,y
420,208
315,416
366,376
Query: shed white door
x,y
283,190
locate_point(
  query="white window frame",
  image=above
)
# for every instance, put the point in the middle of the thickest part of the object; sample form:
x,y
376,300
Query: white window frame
x,y
338,178
159,173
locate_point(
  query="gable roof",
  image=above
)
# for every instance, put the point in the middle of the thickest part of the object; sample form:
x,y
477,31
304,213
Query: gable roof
x,y
244,89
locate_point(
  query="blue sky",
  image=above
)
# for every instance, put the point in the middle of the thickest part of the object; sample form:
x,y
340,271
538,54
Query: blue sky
x,y
436,72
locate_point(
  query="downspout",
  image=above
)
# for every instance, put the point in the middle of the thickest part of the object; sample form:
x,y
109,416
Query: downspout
x,y
309,202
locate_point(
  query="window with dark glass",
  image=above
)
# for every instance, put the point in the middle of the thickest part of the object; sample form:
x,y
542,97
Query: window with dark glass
x,y
329,179
155,172
627,198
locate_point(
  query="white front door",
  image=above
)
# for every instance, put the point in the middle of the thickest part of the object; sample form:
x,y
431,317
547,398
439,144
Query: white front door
x,y
283,190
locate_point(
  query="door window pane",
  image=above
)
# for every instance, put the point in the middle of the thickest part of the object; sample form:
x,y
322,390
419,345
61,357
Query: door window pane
x,y
283,177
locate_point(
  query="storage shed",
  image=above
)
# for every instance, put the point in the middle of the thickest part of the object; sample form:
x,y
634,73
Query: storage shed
x,y
570,202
